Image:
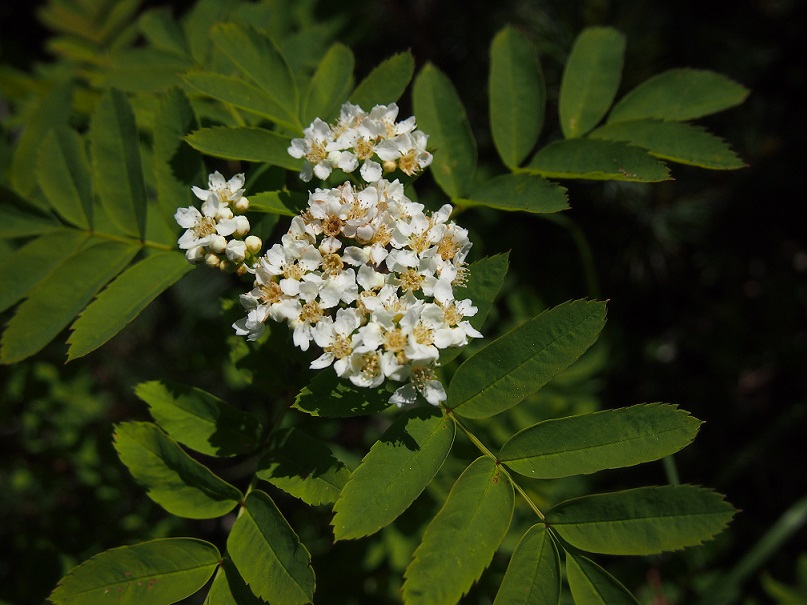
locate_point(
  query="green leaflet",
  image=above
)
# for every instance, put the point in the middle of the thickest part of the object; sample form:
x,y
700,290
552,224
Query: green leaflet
x,y
145,70
285,203
269,555
260,60
199,420
150,573
116,163
23,220
592,585
173,479
124,299
59,296
674,141
460,541
161,30
679,94
244,143
63,175
533,575
519,192
328,396
330,85
519,363
386,83
197,22
303,466
394,472
597,160
590,79
229,588
642,521
517,95
593,442
441,115
29,264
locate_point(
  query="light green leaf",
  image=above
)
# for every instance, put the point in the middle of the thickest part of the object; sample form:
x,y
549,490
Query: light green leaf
x,y
162,31
441,115
229,588
116,163
517,95
585,444
269,555
124,299
642,521
679,94
598,161
460,541
519,192
330,85
197,23
158,572
330,397
590,79
173,479
260,60
285,203
243,143
28,265
674,141
590,584
303,466
56,299
386,83
393,473
199,420
519,363
533,575
63,175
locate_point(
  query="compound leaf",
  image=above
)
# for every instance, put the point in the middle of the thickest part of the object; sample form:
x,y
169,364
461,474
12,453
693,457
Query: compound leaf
x,y
63,175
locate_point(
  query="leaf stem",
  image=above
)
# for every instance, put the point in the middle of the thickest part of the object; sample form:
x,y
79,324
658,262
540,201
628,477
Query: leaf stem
x,y
131,240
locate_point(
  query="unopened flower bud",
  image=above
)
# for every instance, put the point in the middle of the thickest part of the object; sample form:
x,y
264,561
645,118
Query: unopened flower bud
x,y
241,226
236,251
195,255
241,205
218,244
224,213
390,166
227,266
242,269
212,260
254,244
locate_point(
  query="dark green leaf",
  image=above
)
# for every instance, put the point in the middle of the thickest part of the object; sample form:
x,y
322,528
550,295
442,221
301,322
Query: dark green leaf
x,y
393,473
460,541
519,363
199,420
441,115
386,83
145,70
21,219
590,79
533,575
269,555
250,144
679,94
331,397
593,442
229,588
330,85
173,479
303,466
63,175
161,30
197,23
56,299
124,299
285,203
519,192
158,572
642,521
597,160
590,584
517,95
674,141
116,163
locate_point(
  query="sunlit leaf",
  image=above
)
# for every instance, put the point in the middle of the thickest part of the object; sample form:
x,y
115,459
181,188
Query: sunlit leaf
x,y
517,95
269,555
285,203
590,79
593,442
440,113
590,584
460,541
326,395
63,175
519,363
519,192
330,85
394,472
386,83
642,521
244,143
174,480
679,94
303,466
533,575
158,572
199,420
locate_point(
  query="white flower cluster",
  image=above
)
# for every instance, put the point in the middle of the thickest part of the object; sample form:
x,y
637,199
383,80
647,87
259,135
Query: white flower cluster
x,y
369,277
217,234
358,136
